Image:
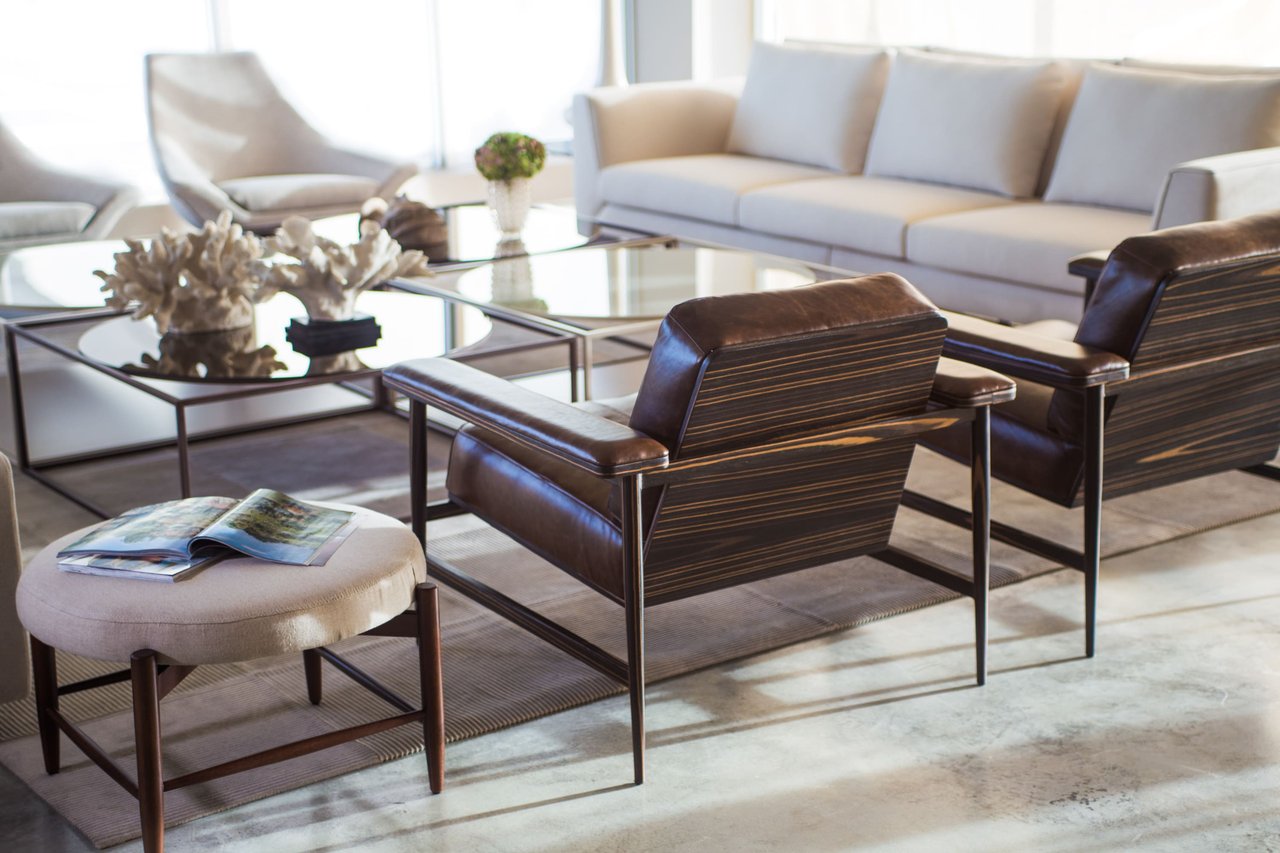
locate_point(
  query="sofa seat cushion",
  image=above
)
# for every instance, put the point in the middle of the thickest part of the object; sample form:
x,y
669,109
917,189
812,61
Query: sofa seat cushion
x,y
1029,242
867,214
703,186
20,219
296,192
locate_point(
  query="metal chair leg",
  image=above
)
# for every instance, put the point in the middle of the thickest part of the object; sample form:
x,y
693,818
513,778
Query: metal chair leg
x,y
1093,450
980,523
44,667
146,734
633,580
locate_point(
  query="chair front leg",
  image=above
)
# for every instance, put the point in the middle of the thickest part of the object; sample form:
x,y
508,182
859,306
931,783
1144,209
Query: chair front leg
x,y
427,603
1094,400
633,600
980,522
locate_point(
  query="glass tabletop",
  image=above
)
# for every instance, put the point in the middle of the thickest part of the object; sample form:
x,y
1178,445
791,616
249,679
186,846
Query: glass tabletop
x,y
473,237
622,282
59,275
413,326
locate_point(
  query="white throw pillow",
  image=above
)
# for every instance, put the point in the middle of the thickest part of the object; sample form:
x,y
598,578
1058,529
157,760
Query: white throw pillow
x,y
968,122
809,106
1130,126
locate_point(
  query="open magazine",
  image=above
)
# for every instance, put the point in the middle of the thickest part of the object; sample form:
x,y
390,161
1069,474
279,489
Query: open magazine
x,y
170,540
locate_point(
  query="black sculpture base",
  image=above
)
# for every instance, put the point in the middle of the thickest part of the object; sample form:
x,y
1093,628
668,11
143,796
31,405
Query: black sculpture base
x,y
329,337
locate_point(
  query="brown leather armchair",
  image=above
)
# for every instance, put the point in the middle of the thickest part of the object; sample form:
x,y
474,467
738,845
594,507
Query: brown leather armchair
x,y
1177,359
772,432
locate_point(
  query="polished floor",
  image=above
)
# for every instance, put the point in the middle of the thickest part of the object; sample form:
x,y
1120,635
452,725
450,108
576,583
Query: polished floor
x,y
873,739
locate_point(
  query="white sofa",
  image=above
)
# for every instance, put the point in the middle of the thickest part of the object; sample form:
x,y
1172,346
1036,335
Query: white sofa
x,y
977,178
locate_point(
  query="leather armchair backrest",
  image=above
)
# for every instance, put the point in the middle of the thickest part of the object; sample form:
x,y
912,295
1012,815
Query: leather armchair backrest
x,y
729,371
1166,301
734,372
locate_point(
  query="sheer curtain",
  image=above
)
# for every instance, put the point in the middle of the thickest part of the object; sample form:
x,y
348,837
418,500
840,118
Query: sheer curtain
x,y
425,80
1239,32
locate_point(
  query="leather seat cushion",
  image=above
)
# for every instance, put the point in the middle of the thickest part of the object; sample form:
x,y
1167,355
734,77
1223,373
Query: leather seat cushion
x,y
565,515
1024,452
235,610
291,192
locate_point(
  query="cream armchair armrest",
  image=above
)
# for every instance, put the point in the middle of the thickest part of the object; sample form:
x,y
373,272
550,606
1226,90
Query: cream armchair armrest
x,y
642,122
1221,187
15,661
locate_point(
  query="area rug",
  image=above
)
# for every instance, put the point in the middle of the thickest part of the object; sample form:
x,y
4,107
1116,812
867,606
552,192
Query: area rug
x,y
495,674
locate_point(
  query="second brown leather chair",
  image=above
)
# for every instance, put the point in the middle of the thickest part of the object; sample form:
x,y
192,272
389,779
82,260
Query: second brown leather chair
x,y
1177,358
772,432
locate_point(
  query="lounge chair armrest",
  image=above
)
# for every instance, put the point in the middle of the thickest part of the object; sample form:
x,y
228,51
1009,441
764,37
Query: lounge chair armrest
x,y
967,386
1025,355
598,445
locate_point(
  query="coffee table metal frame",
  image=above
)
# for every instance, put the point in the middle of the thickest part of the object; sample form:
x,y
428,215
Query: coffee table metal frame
x,y
29,329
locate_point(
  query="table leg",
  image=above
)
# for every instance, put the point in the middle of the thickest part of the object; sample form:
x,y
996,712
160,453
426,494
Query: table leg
x,y
587,358
15,394
184,461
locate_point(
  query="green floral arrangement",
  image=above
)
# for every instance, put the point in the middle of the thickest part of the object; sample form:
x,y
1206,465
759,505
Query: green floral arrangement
x,y
505,156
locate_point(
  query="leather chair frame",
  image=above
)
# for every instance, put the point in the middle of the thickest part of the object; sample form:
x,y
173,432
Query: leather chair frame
x,y
960,395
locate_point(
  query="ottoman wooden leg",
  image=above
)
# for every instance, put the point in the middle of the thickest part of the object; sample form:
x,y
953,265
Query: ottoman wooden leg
x,y
146,733
312,664
44,669
428,607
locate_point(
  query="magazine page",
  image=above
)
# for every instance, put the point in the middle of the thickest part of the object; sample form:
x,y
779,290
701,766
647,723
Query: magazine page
x,y
164,529
273,526
161,569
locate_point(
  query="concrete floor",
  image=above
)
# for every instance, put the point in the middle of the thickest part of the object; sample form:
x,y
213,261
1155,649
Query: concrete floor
x,y
873,739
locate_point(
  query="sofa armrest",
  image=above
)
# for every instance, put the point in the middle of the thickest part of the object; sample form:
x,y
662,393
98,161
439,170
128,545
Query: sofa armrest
x,y
620,124
967,386
1221,187
1025,355
598,445
15,660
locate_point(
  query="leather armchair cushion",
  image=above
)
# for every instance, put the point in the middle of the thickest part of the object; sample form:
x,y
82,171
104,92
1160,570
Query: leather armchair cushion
x,y
1024,451
576,526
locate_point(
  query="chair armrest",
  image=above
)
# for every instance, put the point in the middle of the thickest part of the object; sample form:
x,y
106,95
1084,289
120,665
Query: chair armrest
x,y
598,445
642,122
1221,187
1024,355
1089,267
967,386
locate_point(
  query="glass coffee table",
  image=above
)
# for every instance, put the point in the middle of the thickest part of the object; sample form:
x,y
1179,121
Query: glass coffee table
x,y
607,292
112,379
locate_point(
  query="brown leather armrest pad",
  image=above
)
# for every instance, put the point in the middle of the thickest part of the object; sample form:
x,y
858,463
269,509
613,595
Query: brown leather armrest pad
x,y
598,445
967,386
1024,355
1089,265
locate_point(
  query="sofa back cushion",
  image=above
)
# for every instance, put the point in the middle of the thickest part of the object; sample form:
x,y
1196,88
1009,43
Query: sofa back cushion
x,y
809,106
1130,126
969,122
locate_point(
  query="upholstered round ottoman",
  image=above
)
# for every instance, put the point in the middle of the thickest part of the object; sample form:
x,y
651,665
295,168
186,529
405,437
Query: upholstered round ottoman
x,y
234,610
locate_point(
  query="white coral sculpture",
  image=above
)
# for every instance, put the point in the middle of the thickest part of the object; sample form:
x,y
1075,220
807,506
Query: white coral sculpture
x,y
328,276
189,282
